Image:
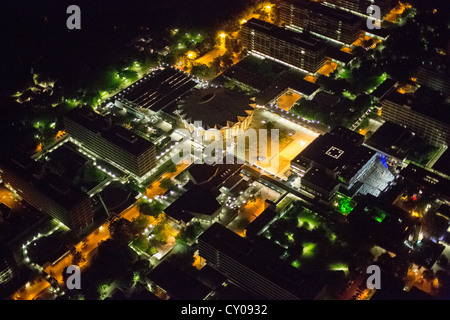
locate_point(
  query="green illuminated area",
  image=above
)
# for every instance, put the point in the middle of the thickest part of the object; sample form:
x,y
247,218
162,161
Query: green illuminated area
x,y
339,267
379,215
296,264
311,243
308,249
343,204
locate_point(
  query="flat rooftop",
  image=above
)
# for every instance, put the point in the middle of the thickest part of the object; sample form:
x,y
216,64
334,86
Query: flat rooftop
x,y
262,262
398,137
62,192
334,13
432,181
292,79
424,101
178,284
384,88
318,177
442,164
197,200
261,221
289,36
161,89
114,133
338,151
334,52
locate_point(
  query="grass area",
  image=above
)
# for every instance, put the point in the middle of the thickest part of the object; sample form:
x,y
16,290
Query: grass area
x,y
343,204
311,243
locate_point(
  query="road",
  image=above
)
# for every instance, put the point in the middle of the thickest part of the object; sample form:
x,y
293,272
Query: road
x,y
87,246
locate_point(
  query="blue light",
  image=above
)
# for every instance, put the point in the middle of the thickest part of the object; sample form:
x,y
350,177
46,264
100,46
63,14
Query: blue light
x,y
383,160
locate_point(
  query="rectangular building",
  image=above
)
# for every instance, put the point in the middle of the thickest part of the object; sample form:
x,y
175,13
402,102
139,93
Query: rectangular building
x,y
337,157
111,142
426,119
255,269
360,6
285,46
47,192
323,21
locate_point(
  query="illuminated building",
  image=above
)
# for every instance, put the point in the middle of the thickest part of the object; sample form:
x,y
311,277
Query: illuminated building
x,y
156,91
48,192
228,111
419,113
8,266
360,6
111,142
255,268
321,20
333,159
294,49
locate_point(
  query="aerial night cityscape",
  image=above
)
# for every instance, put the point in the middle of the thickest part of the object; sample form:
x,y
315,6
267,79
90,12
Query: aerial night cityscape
x,y
221,150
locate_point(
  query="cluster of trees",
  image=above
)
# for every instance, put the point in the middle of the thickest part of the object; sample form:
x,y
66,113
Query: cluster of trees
x,y
345,112
190,233
153,209
114,264
167,184
326,249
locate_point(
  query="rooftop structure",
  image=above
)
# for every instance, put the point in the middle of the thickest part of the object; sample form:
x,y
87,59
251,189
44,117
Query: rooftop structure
x,y
258,270
111,141
285,46
394,146
47,192
339,152
335,24
217,108
178,284
424,178
157,91
423,112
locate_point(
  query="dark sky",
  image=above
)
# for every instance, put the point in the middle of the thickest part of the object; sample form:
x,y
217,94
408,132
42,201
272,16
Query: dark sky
x,y
34,32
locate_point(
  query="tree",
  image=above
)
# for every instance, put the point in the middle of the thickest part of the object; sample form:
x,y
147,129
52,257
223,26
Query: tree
x,y
172,168
78,258
167,184
120,230
153,208
139,224
161,230
141,243
142,267
191,232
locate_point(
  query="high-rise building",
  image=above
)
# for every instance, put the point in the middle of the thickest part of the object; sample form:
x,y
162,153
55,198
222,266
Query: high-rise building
x,y
255,268
111,142
323,21
292,48
425,118
360,6
335,158
8,266
47,192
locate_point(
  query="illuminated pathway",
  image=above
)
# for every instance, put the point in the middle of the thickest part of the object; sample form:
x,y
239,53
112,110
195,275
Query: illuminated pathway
x,y
87,247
